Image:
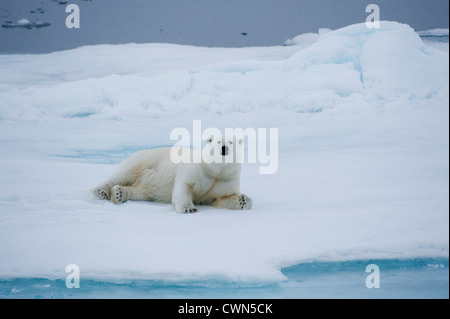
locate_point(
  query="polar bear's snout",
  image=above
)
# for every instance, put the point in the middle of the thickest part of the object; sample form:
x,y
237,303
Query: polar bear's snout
x,y
225,150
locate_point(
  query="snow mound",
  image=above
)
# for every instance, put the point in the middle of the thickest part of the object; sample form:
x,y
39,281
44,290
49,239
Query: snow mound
x,y
168,80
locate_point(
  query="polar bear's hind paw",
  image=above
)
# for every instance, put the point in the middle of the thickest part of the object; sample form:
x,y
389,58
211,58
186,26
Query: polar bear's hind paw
x,y
117,195
245,202
101,194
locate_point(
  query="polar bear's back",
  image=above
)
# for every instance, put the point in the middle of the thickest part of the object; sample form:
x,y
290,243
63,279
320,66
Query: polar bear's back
x,y
147,166
146,159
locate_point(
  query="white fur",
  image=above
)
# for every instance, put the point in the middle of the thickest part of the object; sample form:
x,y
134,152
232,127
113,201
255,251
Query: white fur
x,y
152,175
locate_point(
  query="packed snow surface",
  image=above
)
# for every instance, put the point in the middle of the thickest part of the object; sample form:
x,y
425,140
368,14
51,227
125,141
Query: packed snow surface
x,y
363,148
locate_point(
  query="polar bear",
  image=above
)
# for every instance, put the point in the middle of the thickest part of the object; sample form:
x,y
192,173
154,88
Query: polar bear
x,y
154,175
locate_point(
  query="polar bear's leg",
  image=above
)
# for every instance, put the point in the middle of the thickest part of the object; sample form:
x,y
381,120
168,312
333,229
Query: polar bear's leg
x,y
120,194
182,198
104,190
126,175
240,201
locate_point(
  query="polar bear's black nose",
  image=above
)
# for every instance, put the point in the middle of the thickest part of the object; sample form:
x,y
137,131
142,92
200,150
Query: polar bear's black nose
x,y
224,150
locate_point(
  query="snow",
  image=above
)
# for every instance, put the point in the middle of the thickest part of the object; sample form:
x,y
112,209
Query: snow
x,y
363,155
23,21
434,33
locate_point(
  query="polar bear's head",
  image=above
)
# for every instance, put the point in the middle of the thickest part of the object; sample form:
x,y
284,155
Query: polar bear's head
x,y
224,149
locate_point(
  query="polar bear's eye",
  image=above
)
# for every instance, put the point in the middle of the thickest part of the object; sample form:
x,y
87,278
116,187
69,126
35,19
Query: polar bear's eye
x,y
231,142
218,142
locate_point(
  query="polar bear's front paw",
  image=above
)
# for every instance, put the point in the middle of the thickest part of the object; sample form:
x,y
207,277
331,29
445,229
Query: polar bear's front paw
x,y
190,208
245,202
118,194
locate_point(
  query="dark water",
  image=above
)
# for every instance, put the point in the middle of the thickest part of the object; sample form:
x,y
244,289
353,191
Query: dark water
x,y
231,23
420,278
